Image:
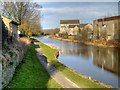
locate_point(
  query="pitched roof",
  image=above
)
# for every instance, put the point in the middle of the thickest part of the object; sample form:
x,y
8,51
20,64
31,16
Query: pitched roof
x,y
69,21
72,26
7,22
108,18
3,25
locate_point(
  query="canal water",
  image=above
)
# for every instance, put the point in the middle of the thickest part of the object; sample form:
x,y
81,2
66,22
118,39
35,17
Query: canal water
x,y
101,64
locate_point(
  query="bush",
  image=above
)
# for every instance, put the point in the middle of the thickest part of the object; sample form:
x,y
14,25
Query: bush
x,y
64,35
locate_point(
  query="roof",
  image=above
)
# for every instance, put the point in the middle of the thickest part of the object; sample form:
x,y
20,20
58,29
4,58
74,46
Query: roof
x,y
72,26
3,25
69,21
82,25
13,22
109,18
7,22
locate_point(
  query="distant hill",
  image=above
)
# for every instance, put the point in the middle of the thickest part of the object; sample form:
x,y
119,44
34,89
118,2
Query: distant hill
x,y
51,31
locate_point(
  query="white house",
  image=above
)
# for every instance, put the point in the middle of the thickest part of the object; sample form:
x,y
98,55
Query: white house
x,y
71,27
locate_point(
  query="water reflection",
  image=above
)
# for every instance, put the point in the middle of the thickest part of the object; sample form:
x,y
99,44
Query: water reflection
x,y
107,59
102,64
81,50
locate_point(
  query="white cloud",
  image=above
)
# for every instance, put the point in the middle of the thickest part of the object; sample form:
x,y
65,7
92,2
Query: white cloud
x,y
75,0
62,0
84,11
86,14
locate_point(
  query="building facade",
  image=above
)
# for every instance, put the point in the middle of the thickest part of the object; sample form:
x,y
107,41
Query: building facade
x,y
71,27
12,28
107,28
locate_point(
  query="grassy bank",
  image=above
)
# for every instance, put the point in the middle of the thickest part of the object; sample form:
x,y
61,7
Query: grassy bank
x,y
31,74
72,75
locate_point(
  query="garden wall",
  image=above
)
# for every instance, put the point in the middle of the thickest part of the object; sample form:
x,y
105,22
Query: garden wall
x,y
11,57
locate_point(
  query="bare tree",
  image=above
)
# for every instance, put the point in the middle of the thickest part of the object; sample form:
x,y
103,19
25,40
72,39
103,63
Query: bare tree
x,y
25,13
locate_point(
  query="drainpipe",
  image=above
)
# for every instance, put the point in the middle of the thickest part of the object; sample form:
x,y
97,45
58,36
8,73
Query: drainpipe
x,y
97,32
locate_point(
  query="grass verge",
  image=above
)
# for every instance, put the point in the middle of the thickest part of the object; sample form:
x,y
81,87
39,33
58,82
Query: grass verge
x,y
31,74
70,74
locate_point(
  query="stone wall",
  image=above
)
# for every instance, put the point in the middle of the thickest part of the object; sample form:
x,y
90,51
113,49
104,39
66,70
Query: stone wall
x,y
11,57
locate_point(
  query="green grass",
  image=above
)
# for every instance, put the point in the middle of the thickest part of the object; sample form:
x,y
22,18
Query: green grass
x,y
31,74
73,76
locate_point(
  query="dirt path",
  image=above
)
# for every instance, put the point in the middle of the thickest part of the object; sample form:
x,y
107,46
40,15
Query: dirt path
x,y
54,73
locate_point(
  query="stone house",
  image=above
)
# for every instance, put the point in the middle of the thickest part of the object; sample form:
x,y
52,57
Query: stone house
x,y
107,28
12,28
3,32
71,27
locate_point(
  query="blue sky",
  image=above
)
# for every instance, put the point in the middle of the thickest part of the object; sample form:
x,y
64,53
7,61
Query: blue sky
x,y
86,12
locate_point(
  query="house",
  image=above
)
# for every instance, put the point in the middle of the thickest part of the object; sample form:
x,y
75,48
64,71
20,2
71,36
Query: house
x,y
107,28
12,28
3,32
82,25
71,27
86,31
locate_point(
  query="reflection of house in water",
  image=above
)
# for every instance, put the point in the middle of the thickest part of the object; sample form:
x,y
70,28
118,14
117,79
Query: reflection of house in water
x,y
107,58
83,51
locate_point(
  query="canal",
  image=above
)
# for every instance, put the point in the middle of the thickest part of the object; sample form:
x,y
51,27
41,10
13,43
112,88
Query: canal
x,y
101,64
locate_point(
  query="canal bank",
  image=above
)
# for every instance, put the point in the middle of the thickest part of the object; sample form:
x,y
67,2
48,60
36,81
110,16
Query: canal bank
x,y
99,43
96,62
79,79
53,72
31,74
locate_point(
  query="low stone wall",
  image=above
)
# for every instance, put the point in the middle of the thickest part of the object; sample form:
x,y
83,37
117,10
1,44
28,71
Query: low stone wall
x,y
11,57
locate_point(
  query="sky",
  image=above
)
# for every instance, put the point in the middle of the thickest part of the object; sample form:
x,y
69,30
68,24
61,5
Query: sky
x,y
86,12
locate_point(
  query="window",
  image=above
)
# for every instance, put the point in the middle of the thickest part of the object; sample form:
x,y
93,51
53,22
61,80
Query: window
x,y
104,25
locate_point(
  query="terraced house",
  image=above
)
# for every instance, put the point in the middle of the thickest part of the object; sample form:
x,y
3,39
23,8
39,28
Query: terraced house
x,y
71,27
107,28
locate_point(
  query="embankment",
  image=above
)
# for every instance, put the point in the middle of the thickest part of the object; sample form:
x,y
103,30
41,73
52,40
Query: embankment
x,y
99,43
79,79
11,56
